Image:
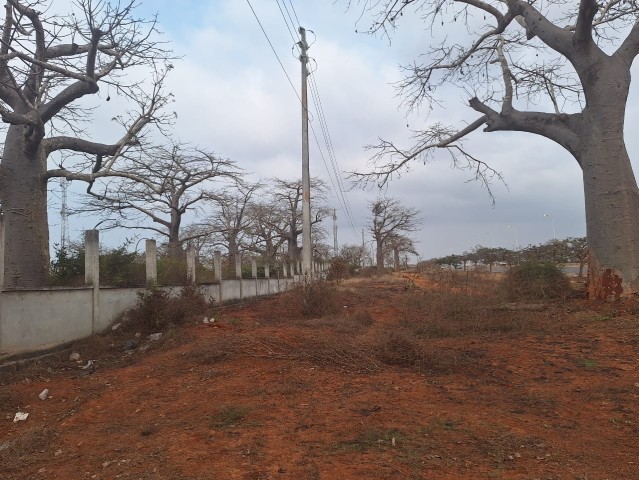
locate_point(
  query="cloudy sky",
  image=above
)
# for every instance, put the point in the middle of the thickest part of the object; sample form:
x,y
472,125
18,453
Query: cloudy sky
x,y
232,96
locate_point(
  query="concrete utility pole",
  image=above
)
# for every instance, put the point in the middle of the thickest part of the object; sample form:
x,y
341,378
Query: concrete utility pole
x,y
306,178
334,233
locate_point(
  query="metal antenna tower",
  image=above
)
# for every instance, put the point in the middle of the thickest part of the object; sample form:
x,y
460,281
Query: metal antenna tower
x,y
64,214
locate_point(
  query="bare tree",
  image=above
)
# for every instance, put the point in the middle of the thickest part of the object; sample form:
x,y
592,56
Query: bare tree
x,y
287,199
518,54
398,245
160,186
354,255
47,65
390,218
230,219
265,222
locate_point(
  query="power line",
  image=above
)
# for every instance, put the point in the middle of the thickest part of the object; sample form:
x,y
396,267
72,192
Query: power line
x,y
289,14
331,154
329,143
339,187
273,48
294,12
286,21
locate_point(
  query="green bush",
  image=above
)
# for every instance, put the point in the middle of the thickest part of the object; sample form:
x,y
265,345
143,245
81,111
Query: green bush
x,y
118,267
535,281
67,266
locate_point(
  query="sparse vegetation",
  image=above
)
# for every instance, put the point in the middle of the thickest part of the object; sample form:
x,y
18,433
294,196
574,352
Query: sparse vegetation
x,y
438,364
535,281
157,309
229,416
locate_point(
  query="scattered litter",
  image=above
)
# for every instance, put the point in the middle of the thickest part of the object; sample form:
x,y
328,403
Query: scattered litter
x,y
138,335
129,345
155,336
88,365
74,357
206,320
58,452
637,384
20,417
116,326
393,441
42,470
44,394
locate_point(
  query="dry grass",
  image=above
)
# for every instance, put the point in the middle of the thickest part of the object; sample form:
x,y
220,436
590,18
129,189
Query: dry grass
x,y
31,447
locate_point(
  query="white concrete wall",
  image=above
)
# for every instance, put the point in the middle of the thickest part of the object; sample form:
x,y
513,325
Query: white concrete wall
x,y
37,319
114,301
233,289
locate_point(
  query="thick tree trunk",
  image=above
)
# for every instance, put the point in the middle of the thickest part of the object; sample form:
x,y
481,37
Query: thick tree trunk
x,y
380,256
396,258
174,248
294,251
612,205
24,206
233,250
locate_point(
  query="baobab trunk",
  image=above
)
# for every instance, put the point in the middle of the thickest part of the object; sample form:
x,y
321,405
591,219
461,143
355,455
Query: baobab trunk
x,y
380,256
612,204
24,205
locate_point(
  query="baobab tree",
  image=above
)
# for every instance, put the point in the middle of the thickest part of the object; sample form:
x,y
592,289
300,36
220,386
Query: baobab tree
x,y
230,220
48,64
389,219
287,200
155,190
397,245
512,55
265,221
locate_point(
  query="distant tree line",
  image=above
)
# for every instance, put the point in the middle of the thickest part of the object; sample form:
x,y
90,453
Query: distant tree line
x,y
568,250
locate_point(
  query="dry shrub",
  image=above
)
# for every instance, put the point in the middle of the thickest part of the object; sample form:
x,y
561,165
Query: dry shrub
x,y
535,281
361,317
472,282
311,298
443,313
158,310
341,352
403,350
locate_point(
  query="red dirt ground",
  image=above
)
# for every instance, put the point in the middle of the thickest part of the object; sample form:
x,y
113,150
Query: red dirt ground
x,y
263,395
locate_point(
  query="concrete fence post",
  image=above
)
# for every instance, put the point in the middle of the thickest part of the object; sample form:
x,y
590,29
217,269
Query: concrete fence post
x,y
1,252
238,266
217,265
284,270
254,273
267,275
92,272
293,270
190,264
91,257
151,262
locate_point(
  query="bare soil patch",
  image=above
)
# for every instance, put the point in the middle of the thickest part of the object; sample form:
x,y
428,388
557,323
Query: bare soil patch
x,y
410,379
